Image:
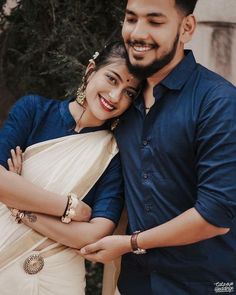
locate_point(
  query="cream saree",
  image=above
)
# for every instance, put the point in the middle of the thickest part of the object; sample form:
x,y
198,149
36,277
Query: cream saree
x,y
68,164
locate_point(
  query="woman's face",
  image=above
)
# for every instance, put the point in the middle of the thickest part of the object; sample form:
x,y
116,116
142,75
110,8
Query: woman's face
x,y
110,90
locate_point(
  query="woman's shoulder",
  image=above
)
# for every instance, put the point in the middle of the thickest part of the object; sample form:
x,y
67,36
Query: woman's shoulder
x,y
35,102
35,99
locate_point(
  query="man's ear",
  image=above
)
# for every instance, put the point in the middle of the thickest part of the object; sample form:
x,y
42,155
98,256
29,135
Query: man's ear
x,y
187,28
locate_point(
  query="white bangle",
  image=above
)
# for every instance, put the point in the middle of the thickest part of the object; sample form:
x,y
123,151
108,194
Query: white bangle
x,y
70,208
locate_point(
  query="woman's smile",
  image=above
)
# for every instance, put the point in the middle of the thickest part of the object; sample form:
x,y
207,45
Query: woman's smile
x,y
105,104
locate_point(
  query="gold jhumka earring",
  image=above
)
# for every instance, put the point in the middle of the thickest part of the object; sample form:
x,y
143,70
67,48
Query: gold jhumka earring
x,y
114,124
80,95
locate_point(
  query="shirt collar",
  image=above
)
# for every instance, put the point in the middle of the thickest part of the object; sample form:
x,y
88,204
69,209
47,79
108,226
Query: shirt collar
x,y
181,73
174,81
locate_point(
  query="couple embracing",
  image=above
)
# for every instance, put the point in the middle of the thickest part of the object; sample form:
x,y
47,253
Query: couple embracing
x,y
174,123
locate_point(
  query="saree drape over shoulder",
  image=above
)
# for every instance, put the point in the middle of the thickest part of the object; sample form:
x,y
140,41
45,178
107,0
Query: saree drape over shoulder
x,y
68,164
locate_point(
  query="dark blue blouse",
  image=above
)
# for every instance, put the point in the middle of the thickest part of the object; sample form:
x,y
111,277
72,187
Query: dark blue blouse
x,y
35,119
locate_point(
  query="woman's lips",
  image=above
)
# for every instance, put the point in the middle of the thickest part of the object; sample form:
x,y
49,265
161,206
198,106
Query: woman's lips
x,y
105,104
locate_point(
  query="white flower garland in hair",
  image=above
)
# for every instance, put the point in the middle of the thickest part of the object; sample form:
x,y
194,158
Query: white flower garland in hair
x,y
96,54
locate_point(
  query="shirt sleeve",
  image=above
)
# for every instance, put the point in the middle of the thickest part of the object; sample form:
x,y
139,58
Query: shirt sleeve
x,y
216,157
106,197
16,128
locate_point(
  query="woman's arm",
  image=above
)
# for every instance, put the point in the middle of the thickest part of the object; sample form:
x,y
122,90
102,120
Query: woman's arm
x,y
16,192
106,198
74,234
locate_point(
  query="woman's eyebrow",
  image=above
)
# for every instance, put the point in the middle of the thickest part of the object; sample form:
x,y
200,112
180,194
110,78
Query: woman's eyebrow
x,y
117,75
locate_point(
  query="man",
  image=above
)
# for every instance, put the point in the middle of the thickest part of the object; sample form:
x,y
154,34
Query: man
x,y
178,150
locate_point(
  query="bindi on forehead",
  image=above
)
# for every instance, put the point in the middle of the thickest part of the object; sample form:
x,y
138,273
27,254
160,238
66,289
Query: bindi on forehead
x,y
130,79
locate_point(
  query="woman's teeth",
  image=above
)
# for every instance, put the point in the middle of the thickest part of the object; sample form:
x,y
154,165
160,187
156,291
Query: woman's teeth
x,y
106,104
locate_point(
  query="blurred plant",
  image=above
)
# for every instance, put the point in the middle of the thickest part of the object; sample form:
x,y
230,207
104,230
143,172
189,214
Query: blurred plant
x,y
94,278
45,45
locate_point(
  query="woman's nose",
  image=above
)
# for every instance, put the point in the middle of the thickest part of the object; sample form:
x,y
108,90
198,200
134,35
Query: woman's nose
x,y
114,95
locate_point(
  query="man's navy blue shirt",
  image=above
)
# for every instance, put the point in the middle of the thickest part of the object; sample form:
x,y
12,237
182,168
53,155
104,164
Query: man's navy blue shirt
x,y
182,154
35,119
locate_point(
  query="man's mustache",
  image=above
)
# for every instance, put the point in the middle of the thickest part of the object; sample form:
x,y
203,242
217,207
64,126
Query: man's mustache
x,y
141,43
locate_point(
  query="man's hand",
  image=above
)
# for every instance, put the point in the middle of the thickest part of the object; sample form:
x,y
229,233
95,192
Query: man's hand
x,y
107,249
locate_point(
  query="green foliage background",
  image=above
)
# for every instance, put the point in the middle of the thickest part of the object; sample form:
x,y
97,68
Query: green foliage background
x,y
45,44
44,48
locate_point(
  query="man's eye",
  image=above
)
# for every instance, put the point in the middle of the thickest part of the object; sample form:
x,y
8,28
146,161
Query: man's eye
x,y
154,23
130,20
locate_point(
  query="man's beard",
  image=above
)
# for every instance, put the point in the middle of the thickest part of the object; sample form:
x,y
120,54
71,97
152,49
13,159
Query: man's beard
x,y
143,72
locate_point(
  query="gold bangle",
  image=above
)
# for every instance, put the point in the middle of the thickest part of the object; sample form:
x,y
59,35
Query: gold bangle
x,y
70,208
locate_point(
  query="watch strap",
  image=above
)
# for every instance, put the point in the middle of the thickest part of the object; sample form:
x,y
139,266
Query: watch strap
x,y
134,243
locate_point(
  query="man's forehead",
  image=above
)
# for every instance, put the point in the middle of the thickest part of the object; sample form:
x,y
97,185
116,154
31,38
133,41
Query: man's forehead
x,y
150,7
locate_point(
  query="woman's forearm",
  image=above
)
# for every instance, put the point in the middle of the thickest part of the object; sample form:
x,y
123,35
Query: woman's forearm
x,y
74,234
19,193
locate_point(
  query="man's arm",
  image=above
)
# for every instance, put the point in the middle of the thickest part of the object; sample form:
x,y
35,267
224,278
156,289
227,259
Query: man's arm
x,y
187,228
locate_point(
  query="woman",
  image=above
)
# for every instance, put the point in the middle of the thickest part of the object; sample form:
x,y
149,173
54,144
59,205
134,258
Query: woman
x,y
70,166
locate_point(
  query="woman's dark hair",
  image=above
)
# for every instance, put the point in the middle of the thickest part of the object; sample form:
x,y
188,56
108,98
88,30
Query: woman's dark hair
x,y
186,6
110,52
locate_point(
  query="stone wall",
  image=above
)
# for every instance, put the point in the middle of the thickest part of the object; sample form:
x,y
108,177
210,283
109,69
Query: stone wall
x,y
214,42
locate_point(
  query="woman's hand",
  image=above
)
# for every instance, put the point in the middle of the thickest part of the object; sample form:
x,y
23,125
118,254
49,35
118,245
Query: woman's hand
x,y
16,160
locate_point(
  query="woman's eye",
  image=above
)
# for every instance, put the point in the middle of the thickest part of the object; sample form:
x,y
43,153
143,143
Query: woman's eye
x,y
130,94
111,79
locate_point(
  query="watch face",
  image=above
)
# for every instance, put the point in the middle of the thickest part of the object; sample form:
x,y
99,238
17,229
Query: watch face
x,y
140,251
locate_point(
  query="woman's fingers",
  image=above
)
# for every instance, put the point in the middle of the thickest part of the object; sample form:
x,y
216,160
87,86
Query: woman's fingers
x,y
19,158
11,166
15,163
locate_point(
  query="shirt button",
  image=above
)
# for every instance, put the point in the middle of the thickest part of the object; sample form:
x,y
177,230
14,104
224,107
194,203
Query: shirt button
x,y
148,207
145,175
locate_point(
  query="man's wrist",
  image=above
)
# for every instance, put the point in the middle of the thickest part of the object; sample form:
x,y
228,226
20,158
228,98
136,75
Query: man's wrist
x,y
127,245
136,249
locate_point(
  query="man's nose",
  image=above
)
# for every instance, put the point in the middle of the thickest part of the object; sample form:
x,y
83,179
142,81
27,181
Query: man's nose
x,y
140,31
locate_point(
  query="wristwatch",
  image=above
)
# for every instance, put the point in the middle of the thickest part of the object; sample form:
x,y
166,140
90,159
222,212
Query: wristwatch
x,y
134,244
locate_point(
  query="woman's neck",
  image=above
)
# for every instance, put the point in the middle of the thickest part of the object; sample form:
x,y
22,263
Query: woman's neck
x,y
83,117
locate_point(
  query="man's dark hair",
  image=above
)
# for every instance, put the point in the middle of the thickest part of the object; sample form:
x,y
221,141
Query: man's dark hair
x,y
186,6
